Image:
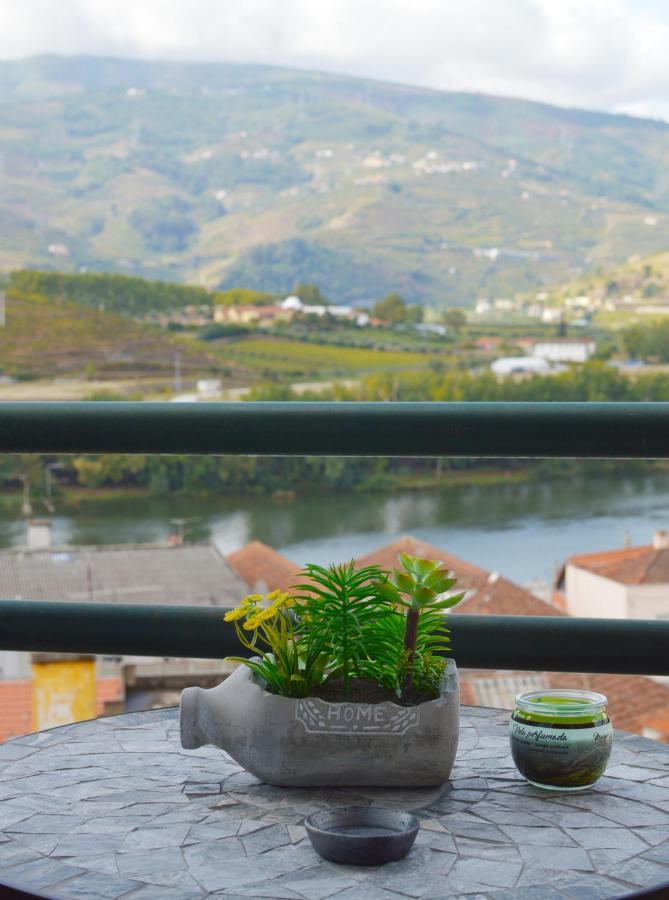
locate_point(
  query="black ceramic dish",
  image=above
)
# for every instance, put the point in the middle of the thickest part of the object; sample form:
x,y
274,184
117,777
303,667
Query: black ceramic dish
x,y
362,835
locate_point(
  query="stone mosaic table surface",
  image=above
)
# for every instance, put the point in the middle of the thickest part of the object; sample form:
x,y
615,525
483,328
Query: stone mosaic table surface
x,y
115,808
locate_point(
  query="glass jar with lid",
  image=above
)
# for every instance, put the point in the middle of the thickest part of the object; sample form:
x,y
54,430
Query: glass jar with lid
x,y
561,740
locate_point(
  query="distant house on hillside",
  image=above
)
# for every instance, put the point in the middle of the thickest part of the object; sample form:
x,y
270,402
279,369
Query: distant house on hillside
x,y
565,350
514,365
295,305
262,316
629,583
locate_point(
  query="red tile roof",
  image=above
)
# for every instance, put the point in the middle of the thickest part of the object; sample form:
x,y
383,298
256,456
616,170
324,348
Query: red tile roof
x,y
488,592
262,568
631,565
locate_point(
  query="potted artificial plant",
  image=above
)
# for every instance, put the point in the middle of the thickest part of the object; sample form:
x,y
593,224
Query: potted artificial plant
x,y
347,684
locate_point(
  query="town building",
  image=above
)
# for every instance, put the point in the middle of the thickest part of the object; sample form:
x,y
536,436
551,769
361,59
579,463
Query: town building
x,y
295,305
629,583
487,593
565,350
263,569
41,690
514,365
262,316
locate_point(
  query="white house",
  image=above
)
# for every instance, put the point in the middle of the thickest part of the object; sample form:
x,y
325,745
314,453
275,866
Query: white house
x,y
630,583
510,365
294,304
576,350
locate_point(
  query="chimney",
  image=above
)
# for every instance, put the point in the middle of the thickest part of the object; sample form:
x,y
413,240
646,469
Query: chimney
x,y
661,540
39,534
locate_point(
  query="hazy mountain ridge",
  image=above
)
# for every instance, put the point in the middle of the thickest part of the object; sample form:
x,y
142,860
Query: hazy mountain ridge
x,y
226,174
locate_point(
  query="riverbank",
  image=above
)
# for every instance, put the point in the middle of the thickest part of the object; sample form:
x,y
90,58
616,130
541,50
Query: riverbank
x,y
68,498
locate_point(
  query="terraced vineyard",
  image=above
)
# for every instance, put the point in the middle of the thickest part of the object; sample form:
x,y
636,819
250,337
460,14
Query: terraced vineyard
x,y
46,339
286,358
230,176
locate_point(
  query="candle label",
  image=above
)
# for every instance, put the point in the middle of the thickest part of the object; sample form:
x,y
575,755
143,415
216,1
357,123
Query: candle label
x,y
561,755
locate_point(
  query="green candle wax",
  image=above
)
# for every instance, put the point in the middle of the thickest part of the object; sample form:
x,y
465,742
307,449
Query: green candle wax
x,y
561,740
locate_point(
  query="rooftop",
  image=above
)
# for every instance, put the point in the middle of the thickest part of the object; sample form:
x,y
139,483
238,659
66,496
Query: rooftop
x,y
193,574
631,565
262,568
488,593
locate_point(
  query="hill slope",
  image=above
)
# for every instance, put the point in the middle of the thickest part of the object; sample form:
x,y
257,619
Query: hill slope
x,y
235,174
47,339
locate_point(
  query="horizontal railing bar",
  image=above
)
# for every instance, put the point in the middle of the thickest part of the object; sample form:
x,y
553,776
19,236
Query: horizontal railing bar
x,y
623,430
534,643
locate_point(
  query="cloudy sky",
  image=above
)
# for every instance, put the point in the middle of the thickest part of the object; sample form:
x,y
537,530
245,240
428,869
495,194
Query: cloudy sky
x,y
599,54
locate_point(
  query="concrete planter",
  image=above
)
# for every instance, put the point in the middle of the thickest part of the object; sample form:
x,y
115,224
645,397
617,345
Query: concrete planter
x,y
313,743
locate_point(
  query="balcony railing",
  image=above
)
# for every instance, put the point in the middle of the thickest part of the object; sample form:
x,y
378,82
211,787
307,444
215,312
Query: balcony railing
x,y
620,430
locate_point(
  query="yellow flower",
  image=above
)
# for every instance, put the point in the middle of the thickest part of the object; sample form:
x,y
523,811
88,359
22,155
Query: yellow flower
x,y
282,600
234,614
258,618
252,599
274,594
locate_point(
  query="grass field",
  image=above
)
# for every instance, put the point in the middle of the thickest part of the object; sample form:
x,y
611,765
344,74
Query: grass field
x,y
285,358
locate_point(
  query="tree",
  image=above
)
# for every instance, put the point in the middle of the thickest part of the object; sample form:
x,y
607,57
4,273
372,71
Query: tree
x,y
454,319
392,309
310,294
243,297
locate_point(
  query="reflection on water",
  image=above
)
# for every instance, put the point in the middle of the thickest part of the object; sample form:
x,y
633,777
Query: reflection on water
x,y
521,530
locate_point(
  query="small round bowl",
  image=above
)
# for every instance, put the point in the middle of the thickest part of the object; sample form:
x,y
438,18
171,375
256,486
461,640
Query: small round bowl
x,y
362,835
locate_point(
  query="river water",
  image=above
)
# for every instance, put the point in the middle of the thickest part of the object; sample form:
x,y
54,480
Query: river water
x,y
522,531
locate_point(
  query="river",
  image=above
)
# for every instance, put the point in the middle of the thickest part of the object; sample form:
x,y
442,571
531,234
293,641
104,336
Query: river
x,y
522,531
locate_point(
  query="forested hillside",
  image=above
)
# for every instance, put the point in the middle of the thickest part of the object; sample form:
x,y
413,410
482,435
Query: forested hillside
x,y
227,175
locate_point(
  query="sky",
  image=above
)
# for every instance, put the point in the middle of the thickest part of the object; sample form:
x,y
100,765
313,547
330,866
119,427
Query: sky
x,y
597,54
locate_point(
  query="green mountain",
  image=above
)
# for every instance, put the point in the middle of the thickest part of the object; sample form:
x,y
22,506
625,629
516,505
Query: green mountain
x,y
225,175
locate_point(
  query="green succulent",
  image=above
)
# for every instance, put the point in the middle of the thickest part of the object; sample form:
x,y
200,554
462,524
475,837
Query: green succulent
x,y
419,587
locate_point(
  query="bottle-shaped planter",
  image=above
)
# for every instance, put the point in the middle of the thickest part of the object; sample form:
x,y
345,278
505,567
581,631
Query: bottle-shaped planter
x,y
313,743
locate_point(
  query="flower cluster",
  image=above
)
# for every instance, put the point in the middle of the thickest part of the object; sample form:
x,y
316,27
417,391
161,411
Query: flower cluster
x,y
252,610
270,629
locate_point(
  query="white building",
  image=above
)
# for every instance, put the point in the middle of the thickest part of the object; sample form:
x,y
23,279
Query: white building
x,y
294,304
630,583
511,365
575,350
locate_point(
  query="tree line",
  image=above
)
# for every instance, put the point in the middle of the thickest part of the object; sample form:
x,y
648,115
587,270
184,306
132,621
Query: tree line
x,y
160,475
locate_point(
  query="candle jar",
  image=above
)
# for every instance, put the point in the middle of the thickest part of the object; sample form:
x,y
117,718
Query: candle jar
x,y
561,740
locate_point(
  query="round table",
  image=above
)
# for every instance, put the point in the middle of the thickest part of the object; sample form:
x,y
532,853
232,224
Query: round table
x,y
115,808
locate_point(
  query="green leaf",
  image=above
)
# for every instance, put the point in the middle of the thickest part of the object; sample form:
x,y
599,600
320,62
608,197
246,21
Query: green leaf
x,y
403,582
389,592
424,596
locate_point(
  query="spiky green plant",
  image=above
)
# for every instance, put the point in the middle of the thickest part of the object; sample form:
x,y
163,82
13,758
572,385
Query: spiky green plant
x,y
419,587
341,609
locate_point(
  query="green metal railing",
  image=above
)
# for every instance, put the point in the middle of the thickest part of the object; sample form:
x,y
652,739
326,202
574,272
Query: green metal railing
x,y
552,643
632,430
621,430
